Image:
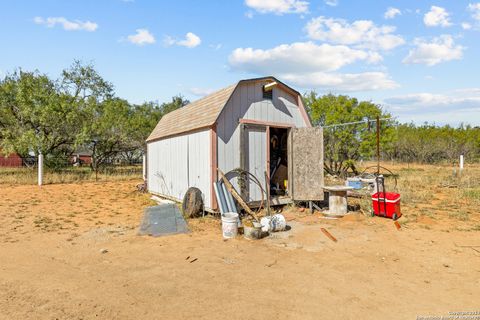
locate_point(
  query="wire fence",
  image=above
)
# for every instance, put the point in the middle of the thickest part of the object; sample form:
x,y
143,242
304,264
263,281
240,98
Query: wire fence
x,y
23,170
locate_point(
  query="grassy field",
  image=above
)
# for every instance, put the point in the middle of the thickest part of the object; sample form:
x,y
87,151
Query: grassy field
x,y
431,194
28,176
439,192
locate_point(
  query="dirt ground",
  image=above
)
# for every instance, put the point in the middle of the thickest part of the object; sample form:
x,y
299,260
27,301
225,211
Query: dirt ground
x,y
71,251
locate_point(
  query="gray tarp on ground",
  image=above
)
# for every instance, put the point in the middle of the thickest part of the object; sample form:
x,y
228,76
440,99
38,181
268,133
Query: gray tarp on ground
x,y
161,220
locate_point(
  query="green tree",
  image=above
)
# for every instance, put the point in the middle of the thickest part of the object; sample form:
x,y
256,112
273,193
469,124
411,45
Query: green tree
x,y
35,116
344,145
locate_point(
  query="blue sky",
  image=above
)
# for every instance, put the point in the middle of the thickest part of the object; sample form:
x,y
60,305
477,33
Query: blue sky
x,y
419,59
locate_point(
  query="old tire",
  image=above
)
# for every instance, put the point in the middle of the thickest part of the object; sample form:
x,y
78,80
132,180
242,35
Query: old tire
x,y
192,205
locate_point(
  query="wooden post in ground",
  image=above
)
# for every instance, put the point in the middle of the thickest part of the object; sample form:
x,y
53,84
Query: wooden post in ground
x,y
40,169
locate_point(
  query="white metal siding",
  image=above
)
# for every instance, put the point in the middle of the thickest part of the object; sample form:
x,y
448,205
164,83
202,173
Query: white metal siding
x,y
247,102
180,162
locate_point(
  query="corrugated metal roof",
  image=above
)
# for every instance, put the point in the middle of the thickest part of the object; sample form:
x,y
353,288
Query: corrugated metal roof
x,y
201,113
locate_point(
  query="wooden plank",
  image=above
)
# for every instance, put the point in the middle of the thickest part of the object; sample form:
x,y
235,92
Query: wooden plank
x,y
235,194
307,164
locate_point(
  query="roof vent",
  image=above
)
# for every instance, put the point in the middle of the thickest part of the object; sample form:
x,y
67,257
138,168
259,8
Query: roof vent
x,y
268,90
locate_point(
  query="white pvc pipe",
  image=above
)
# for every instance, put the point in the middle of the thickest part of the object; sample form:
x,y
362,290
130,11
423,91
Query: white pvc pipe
x,y
144,167
461,162
40,169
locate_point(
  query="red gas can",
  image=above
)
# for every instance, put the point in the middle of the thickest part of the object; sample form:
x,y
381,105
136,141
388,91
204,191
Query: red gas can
x,y
386,204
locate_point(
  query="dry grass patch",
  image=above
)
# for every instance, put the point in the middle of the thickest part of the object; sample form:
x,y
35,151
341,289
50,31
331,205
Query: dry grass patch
x,y
28,176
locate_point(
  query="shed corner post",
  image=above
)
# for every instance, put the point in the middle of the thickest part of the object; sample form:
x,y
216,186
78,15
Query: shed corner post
x,y
213,165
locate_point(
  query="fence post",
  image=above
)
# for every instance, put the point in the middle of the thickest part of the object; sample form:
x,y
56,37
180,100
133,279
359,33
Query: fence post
x,y
40,169
144,167
461,162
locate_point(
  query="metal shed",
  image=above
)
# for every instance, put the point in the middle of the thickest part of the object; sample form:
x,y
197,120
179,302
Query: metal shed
x,y
259,125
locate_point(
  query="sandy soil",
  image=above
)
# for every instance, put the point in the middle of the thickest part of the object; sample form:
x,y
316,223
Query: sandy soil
x,y
71,252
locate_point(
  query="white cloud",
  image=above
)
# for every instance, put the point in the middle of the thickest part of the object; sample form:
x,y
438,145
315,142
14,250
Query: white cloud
x,y
216,47
461,105
142,37
466,26
75,25
191,41
392,13
475,9
361,33
437,16
342,81
310,65
331,3
278,6
298,57
440,49
418,99
201,92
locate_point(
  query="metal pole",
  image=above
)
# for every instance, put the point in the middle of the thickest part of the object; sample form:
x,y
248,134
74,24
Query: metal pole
x,y
267,186
40,169
378,145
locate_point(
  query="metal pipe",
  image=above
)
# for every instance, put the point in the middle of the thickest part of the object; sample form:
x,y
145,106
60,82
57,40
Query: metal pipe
x,y
225,196
221,200
378,145
230,200
267,187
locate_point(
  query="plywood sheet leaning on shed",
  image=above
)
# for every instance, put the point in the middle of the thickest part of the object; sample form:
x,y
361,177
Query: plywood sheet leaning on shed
x,y
306,163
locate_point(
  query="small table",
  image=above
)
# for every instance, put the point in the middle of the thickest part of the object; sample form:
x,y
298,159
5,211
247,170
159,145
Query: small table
x,y
337,200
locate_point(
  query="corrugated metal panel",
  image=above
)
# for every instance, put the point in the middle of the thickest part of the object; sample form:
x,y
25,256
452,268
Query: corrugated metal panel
x,y
180,162
247,102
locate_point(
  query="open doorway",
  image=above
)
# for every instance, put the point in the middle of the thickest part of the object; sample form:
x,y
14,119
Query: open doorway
x,y
278,159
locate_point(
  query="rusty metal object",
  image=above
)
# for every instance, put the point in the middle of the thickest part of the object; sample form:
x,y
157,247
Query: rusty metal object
x,y
325,232
397,225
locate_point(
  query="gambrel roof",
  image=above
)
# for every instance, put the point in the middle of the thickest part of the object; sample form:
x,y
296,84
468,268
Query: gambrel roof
x,y
202,113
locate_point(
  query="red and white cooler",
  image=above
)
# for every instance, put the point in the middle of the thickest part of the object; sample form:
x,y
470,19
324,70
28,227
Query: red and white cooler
x,y
386,204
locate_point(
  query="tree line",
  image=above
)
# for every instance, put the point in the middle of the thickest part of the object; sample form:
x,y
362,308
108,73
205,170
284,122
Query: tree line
x,y
345,145
78,111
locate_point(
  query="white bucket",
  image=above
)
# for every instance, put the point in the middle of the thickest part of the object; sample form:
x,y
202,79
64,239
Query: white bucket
x,y
229,225
273,224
